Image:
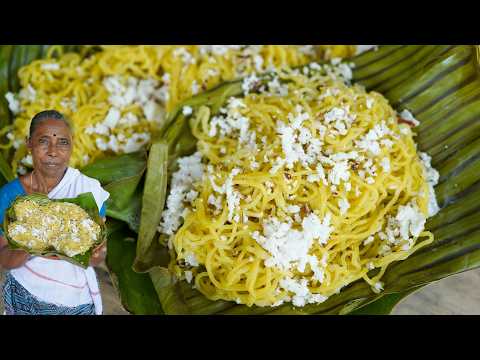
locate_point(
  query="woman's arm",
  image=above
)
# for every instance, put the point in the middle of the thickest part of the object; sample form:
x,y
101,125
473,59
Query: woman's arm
x,y
11,259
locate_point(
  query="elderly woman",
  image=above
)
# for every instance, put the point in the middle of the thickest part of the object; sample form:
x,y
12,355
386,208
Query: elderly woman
x,y
41,285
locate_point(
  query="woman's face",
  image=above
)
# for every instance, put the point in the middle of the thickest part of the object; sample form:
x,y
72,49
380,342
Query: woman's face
x,y
51,147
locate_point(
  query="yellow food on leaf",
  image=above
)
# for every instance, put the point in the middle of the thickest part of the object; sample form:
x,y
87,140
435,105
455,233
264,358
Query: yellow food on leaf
x,y
296,192
117,97
62,226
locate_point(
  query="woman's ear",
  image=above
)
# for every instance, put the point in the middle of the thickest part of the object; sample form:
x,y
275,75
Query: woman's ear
x,y
29,143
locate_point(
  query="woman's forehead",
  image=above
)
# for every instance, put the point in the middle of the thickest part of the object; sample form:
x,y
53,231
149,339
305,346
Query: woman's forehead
x,y
52,127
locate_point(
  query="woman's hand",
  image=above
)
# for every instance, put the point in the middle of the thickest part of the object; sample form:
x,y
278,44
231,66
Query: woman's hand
x,y
98,254
11,259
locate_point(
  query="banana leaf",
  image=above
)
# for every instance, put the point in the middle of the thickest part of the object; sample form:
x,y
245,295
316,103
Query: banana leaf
x,y
177,141
121,176
112,168
21,55
149,253
5,52
135,290
86,201
130,213
440,85
6,173
384,305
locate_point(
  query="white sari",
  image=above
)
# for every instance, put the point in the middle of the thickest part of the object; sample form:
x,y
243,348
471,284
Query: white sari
x,y
57,281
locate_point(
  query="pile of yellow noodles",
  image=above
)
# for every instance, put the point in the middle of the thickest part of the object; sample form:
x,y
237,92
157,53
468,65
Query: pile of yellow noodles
x,y
231,263
78,81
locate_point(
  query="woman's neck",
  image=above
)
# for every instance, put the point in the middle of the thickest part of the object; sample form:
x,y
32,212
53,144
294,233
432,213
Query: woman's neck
x,y
49,182
44,183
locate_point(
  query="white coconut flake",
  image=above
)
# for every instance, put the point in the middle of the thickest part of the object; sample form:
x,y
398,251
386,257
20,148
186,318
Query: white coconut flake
x,y
368,241
377,287
136,142
407,115
293,209
344,205
369,102
385,163
186,57
188,276
190,259
363,48
289,247
27,160
301,292
50,66
190,171
249,83
13,103
339,173
187,110
411,221
112,118
28,93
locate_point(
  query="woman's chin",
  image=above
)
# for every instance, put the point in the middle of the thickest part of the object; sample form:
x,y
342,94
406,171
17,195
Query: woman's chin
x,y
53,170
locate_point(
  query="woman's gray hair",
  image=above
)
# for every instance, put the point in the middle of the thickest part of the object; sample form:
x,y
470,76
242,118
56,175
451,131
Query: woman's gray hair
x,y
48,115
